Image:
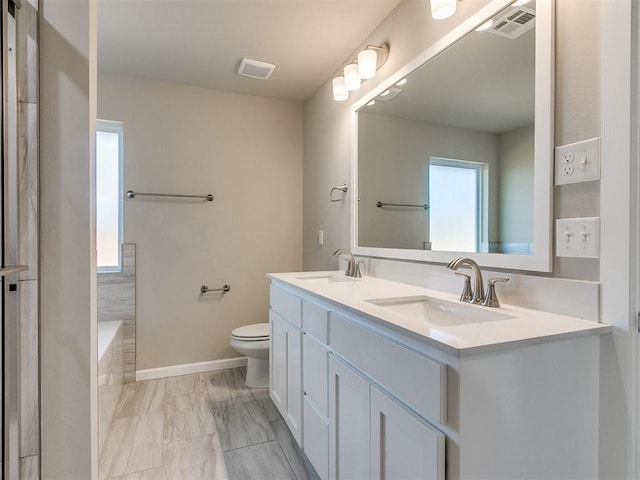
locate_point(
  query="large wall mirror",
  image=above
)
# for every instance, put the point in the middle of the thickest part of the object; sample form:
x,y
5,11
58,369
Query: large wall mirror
x,y
453,153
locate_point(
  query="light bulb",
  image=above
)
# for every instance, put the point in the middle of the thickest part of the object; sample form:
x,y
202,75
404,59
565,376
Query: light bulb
x,y
402,82
367,63
340,91
371,103
441,9
352,76
485,26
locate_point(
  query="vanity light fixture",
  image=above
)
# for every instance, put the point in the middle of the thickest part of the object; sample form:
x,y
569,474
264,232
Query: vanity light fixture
x,y
371,103
401,82
364,67
441,9
352,77
340,91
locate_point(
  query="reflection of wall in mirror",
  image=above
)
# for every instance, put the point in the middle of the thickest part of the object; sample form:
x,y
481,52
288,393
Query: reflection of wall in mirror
x,y
392,167
392,158
515,179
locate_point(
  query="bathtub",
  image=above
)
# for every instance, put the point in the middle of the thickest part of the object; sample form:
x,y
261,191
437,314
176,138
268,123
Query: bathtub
x,y
110,374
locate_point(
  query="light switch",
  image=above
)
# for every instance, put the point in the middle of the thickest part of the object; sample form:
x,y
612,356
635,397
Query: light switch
x,y
578,237
578,162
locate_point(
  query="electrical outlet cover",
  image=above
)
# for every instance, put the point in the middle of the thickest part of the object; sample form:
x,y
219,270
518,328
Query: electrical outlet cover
x,y
578,162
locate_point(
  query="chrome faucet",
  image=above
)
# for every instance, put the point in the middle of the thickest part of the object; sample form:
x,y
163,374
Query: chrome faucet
x,y
353,269
477,295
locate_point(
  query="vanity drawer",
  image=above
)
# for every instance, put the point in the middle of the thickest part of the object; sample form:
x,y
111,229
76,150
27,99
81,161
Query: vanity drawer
x,y
419,381
314,321
287,305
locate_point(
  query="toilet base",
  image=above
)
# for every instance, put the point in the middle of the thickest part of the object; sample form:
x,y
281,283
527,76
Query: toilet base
x,y
257,373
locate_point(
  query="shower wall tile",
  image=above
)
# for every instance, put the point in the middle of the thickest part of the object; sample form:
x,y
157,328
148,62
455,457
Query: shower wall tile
x,y
28,190
29,394
30,468
117,301
27,48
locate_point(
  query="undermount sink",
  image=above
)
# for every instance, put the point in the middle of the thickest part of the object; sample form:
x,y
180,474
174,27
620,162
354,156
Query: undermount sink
x,y
329,278
439,312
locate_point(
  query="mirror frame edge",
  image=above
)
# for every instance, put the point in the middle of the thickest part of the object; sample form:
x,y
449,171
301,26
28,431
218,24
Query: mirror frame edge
x,y
542,258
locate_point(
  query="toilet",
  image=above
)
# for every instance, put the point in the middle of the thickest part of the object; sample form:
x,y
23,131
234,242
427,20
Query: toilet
x,y
253,342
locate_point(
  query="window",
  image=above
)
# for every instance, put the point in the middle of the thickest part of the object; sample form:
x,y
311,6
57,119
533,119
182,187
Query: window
x,y
109,148
455,198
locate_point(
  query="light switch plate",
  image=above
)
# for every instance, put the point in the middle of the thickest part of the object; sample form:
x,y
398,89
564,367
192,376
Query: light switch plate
x,y
578,162
578,237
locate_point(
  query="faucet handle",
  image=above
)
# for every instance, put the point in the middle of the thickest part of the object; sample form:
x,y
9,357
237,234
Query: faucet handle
x,y
356,269
491,299
467,293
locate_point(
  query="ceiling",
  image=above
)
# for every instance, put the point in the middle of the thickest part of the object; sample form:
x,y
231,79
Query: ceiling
x,y
201,42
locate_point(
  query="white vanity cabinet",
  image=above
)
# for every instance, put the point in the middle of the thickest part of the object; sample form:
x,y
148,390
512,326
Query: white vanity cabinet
x,y
285,359
365,399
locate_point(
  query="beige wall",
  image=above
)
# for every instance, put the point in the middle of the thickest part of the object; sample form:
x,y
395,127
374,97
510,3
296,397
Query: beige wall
x,y
247,152
409,31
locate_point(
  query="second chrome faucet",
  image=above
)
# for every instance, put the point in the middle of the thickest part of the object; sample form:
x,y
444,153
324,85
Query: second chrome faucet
x,y
476,295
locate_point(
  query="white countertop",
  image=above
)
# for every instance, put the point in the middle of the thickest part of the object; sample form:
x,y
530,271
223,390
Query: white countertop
x,y
523,327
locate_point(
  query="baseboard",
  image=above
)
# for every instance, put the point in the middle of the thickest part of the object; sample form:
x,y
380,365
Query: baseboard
x,y
187,368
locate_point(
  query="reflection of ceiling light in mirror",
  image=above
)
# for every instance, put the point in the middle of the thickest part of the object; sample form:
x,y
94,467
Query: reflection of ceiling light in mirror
x,y
352,76
441,9
402,82
517,3
485,26
389,94
340,91
371,103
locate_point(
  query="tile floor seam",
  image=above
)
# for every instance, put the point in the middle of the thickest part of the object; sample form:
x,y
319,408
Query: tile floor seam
x,y
249,446
287,458
192,438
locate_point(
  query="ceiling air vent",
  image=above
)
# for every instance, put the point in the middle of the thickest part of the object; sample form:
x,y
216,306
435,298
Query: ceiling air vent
x,y
514,23
255,69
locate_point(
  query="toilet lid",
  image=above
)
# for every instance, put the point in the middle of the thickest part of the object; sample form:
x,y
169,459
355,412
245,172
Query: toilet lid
x,y
257,331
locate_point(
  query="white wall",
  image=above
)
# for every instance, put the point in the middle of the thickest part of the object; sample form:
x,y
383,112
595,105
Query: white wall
x,y
247,152
67,239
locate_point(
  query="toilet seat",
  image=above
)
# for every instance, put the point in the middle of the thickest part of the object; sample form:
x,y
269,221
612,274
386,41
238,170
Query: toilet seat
x,y
252,333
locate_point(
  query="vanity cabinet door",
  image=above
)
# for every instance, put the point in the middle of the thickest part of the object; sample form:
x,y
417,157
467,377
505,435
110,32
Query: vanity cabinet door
x,y
348,422
277,362
286,372
403,445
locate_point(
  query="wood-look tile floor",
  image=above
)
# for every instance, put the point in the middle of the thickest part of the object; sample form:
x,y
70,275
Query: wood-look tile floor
x,y
201,426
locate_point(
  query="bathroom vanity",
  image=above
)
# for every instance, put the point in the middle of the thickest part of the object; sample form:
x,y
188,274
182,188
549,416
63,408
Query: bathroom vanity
x,y
379,379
